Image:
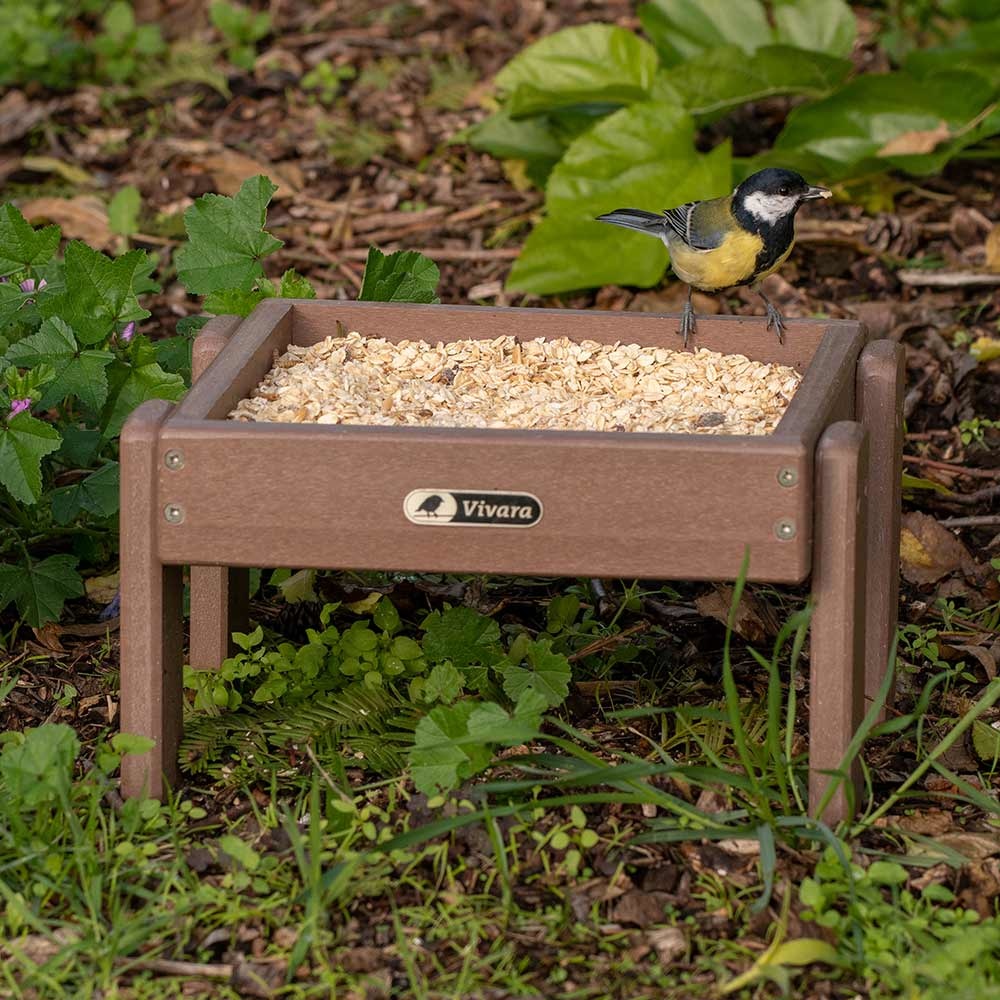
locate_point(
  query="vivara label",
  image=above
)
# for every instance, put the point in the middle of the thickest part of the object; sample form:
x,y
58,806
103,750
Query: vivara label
x,y
492,508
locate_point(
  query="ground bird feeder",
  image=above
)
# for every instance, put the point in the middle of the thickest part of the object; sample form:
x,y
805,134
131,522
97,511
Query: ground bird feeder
x,y
815,497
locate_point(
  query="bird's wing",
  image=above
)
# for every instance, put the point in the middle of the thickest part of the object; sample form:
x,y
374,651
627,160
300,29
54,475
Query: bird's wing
x,y
701,225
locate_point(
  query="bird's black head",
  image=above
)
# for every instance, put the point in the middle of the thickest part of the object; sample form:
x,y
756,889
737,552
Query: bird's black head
x,y
770,196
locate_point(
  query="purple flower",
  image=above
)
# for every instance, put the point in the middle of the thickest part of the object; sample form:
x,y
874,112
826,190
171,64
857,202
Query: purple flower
x,y
18,406
28,285
128,332
4,280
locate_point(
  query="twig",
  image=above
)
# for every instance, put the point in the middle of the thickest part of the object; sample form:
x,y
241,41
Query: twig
x,y
170,967
970,499
947,279
978,521
960,470
598,645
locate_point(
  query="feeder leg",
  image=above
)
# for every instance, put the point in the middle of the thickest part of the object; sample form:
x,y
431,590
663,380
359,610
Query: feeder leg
x,y
219,594
837,652
151,627
880,382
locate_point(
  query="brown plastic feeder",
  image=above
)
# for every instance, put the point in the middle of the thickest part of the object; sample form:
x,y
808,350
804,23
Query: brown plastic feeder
x,y
817,497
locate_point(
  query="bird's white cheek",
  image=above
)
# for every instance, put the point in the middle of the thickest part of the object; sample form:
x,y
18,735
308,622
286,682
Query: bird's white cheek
x,y
769,207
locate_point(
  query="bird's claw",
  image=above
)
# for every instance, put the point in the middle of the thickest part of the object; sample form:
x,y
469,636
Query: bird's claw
x,y
775,319
687,322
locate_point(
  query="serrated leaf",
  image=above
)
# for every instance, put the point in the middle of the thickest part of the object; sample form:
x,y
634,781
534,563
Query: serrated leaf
x,y
403,276
226,239
639,157
986,742
462,636
78,372
444,683
99,295
724,77
12,300
234,301
547,674
21,245
584,64
130,385
39,767
295,286
79,446
438,762
39,589
97,494
24,442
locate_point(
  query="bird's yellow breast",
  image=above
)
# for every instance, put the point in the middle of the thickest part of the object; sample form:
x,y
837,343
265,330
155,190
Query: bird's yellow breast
x,y
732,262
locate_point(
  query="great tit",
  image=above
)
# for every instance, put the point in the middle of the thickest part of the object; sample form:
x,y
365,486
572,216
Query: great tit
x,y
736,240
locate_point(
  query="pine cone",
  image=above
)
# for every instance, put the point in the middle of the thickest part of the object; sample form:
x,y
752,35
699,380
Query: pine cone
x,y
892,234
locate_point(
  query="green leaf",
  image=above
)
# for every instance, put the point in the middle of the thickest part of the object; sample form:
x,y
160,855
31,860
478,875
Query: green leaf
x,y
444,683
97,495
818,25
39,589
438,762
295,286
132,384
123,211
79,446
240,851
681,29
723,78
226,239
78,372
21,245
463,636
99,295
639,157
39,767
519,139
986,742
586,64
24,442
547,674
849,132
404,276
236,302
12,300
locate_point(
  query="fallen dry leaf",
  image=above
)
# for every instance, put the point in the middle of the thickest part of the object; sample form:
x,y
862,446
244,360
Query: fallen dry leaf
x,y
81,218
754,620
993,249
669,943
230,169
916,142
927,551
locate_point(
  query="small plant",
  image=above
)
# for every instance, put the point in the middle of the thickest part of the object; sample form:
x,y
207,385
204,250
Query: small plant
x,y
242,28
974,431
124,48
325,79
903,943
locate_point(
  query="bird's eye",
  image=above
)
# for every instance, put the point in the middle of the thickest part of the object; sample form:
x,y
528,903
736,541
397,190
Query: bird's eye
x,y
783,190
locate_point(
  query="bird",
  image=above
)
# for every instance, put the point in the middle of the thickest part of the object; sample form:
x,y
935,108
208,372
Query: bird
x,y
430,505
736,240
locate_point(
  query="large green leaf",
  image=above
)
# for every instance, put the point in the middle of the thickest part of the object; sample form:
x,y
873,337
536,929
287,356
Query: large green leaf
x,y
78,372
640,157
39,767
132,384
681,29
97,494
99,294
850,132
24,442
22,246
724,77
586,64
547,675
818,25
226,239
12,300
39,589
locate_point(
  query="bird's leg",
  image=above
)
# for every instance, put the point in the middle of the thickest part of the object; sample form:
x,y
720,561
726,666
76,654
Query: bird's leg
x,y
774,318
687,319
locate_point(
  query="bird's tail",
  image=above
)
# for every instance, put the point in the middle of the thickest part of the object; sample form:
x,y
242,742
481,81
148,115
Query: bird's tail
x,y
649,223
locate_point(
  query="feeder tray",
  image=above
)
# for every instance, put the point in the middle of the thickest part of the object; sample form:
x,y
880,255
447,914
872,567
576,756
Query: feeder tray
x,y
818,496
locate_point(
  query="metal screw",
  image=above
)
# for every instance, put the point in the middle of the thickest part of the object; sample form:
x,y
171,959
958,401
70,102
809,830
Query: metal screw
x,y
785,529
173,513
173,460
787,476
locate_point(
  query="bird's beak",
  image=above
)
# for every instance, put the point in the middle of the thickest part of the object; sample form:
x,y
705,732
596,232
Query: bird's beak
x,y
817,192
